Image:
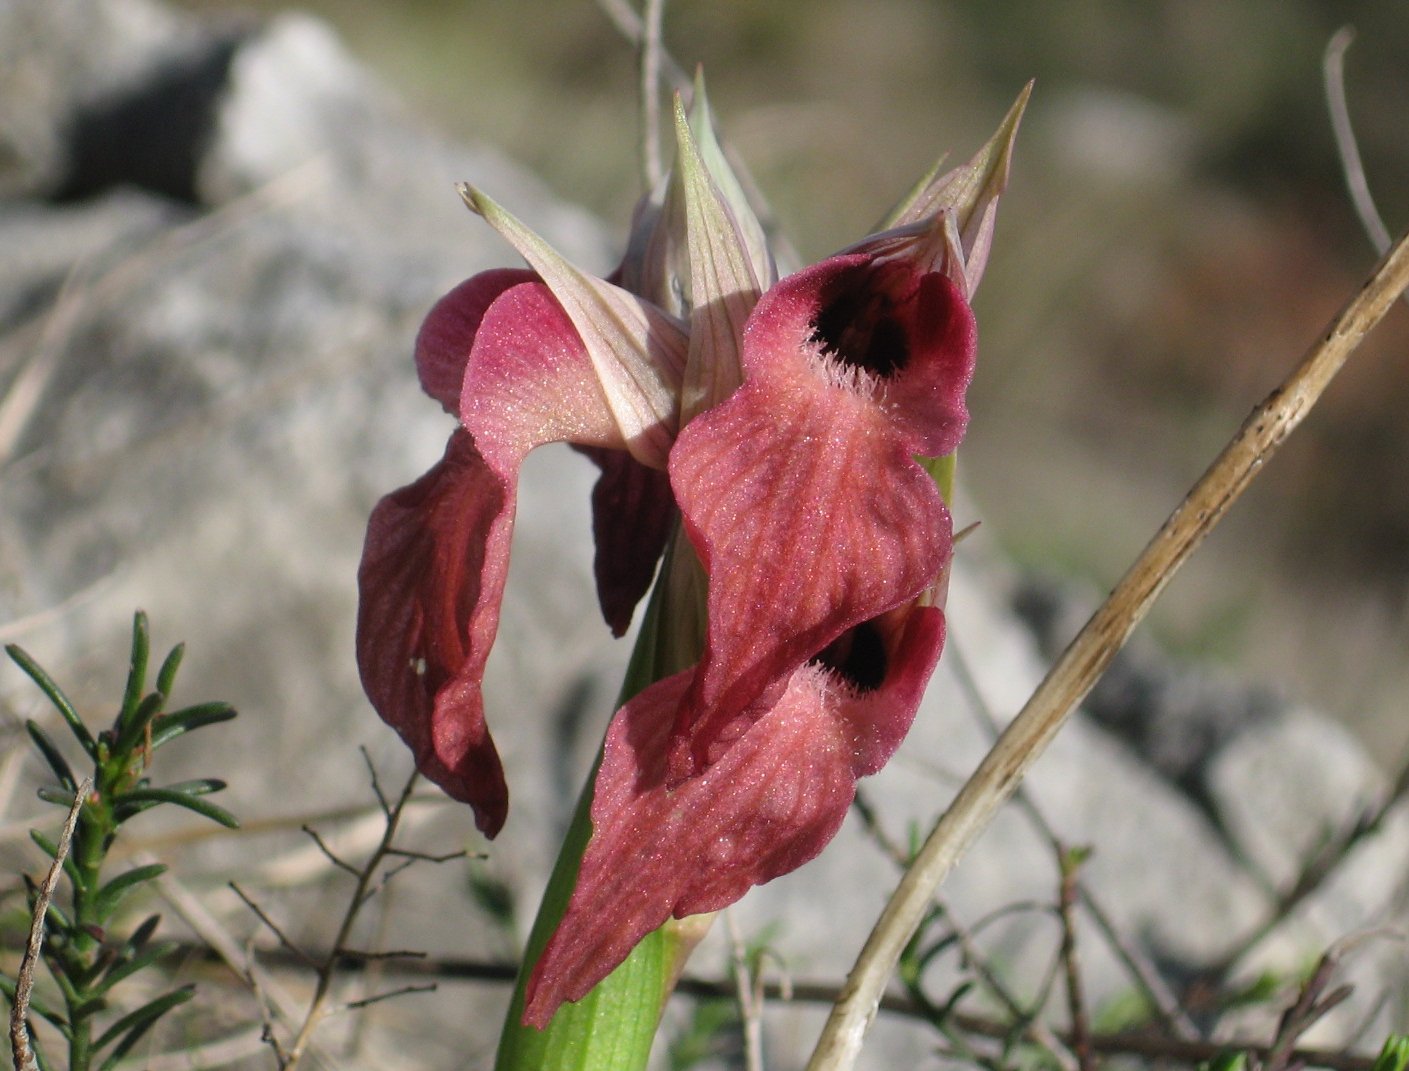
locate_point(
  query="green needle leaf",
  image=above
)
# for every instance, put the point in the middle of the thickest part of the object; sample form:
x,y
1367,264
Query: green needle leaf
x,y
131,728
125,969
52,756
138,1023
166,676
167,727
55,694
1395,1054
112,893
48,846
140,799
137,667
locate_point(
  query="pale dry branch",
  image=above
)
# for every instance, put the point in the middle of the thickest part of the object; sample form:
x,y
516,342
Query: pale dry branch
x,y
1086,658
24,979
1161,998
1333,72
1145,1044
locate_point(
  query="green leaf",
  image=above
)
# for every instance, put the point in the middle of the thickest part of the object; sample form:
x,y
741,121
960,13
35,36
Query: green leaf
x,y
59,922
141,799
132,728
1395,1054
709,1027
55,694
52,756
87,1009
169,726
941,470
55,794
200,786
1226,1061
112,893
610,1029
126,968
36,1007
138,1023
52,850
140,936
136,668
166,676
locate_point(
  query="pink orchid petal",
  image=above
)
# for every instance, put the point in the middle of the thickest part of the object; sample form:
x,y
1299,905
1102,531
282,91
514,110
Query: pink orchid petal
x,y
437,552
765,808
633,511
444,342
427,574
800,492
638,350
529,381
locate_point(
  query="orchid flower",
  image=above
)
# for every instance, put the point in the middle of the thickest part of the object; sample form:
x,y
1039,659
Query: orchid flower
x,y
780,422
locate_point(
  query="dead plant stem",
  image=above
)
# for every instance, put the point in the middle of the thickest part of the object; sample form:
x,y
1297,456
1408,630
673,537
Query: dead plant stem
x,y
1086,658
24,978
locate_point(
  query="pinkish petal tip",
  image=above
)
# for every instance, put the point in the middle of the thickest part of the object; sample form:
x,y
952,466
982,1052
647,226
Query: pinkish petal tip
x,y
770,804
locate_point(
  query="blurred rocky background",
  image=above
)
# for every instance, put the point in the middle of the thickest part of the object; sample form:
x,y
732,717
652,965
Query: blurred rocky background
x,y
220,228
1177,232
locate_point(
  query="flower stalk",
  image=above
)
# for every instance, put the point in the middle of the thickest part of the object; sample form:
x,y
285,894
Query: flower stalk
x,y
784,445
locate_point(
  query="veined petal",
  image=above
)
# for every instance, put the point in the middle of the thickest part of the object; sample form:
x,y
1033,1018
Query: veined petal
x,y
969,193
768,806
448,332
633,511
800,492
431,578
437,552
637,350
724,284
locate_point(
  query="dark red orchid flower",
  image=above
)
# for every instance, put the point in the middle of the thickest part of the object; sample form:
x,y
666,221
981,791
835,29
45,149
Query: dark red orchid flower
x,y
783,421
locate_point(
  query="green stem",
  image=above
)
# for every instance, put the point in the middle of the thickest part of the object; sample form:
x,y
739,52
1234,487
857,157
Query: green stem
x,y
611,1029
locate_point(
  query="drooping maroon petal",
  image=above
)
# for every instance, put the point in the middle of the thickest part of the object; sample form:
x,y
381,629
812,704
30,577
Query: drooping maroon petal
x,y
448,332
437,552
633,510
431,578
800,492
770,804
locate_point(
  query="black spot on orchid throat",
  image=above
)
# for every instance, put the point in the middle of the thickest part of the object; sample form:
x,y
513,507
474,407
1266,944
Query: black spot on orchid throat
x,y
859,329
857,656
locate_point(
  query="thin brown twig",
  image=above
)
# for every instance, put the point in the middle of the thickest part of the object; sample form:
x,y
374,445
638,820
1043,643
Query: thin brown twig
x,y
1316,869
317,1007
20,1047
273,927
1162,999
652,45
390,994
1069,865
1352,167
1147,1044
630,25
748,994
328,853
1032,1027
1313,1001
1090,653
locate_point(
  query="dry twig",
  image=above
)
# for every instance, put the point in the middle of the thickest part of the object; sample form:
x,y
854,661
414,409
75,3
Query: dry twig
x,y
1143,972
24,978
1086,658
1144,1044
1069,865
1333,72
